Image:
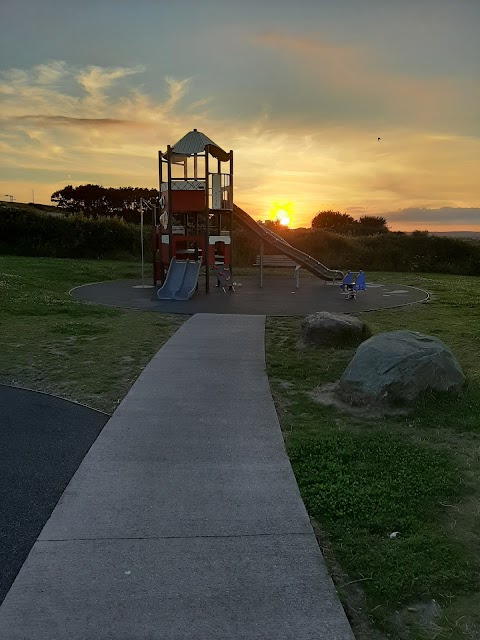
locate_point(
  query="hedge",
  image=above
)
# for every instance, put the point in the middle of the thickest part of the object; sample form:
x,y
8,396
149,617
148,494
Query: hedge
x,y
416,252
31,233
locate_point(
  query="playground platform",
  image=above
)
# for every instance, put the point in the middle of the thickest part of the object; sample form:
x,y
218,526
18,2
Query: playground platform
x,y
184,519
278,297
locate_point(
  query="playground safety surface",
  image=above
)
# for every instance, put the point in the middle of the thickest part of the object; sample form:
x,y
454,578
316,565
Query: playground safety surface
x,y
278,297
43,439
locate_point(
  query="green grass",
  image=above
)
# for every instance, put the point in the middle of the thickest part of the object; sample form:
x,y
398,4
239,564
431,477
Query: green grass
x,y
51,342
419,474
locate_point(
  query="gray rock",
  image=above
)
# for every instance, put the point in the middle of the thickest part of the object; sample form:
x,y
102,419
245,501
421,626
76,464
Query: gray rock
x,y
333,329
396,367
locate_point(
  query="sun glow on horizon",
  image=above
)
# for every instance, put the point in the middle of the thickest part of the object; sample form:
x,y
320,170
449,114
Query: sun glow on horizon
x,y
283,217
282,212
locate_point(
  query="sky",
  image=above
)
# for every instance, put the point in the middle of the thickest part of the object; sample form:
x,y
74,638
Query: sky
x,y
301,91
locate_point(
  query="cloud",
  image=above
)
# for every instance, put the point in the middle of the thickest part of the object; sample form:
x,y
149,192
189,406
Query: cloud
x,y
51,72
56,88
88,121
96,79
452,217
177,90
49,98
46,120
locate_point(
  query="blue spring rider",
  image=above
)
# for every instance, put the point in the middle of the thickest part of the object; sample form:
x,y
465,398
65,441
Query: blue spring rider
x,y
351,286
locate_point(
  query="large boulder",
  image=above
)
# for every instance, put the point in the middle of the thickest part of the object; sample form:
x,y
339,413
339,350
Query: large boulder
x,y
333,329
396,367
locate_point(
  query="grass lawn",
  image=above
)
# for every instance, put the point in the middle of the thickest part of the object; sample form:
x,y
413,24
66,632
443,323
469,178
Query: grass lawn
x,y
419,474
83,352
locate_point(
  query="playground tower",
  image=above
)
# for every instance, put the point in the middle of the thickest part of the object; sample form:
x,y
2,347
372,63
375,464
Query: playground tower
x,y
196,205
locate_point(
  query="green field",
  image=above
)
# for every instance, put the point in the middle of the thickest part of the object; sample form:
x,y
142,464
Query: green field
x,y
84,352
361,478
419,474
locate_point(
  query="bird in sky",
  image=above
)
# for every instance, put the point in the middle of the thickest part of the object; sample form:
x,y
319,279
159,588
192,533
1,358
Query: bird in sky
x,y
378,138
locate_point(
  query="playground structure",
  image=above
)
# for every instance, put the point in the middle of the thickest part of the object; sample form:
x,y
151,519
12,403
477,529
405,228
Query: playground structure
x,y
196,214
195,225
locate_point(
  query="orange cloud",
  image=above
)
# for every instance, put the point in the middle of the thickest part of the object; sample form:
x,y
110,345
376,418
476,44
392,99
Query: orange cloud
x,y
43,120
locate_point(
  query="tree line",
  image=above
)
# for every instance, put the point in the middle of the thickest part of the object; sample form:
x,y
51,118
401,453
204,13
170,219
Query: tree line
x,y
93,200
340,223
345,224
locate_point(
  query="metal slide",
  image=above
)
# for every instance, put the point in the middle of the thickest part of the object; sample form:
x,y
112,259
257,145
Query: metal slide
x,y
173,281
181,280
282,246
190,279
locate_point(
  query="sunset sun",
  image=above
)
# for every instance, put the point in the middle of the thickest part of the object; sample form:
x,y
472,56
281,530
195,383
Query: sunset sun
x,y
282,212
283,217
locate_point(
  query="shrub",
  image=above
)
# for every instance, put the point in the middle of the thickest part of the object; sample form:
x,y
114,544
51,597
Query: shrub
x,y
31,233
395,251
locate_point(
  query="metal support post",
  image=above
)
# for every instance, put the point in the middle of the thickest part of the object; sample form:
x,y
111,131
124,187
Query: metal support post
x,y
297,276
261,264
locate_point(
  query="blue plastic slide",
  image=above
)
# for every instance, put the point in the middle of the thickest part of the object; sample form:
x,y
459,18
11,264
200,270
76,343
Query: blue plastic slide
x,y
190,279
181,280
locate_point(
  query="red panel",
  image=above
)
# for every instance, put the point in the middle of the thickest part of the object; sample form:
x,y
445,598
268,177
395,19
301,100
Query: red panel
x,y
185,201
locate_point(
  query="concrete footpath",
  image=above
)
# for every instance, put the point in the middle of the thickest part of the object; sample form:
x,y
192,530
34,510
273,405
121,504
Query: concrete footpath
x,y
184,521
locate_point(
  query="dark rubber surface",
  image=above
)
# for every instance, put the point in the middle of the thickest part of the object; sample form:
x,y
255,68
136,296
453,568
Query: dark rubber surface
x,y
277,298
43,440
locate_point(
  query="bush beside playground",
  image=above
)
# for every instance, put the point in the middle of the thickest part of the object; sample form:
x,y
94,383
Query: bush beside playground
x,y
416,252
29,231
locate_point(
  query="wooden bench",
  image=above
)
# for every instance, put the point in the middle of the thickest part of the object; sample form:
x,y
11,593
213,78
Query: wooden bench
x,y
276,261
279,261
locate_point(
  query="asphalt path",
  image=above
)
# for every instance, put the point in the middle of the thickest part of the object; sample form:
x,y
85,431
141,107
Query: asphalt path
x,y
43,440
